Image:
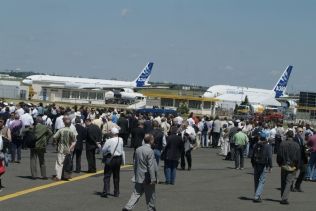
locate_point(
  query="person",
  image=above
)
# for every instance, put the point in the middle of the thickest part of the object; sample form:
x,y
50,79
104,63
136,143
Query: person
x,y
312,160
232,132
5,131
216,131
165,126
41,135
225,140
94,137
145,171
160,140
299,139
5,138
138,135
66,141
107,126
288,158
16,135
204,132
188,137
122,122
172,153
261,161
240,140
114,151
81,137
26,118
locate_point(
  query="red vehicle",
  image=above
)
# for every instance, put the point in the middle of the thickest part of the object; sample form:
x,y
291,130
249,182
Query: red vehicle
x,y
270,115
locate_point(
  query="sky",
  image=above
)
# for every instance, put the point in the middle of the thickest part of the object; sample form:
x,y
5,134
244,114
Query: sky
x,y
201,42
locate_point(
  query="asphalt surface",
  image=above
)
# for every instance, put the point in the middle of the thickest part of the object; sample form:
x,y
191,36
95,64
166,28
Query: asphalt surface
x,y
212,184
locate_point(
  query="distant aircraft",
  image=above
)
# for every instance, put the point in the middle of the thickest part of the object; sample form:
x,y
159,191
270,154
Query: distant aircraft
x,y
87,83
255,96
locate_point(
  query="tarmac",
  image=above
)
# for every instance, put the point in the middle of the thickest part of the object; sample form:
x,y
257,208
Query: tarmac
x,y
212,184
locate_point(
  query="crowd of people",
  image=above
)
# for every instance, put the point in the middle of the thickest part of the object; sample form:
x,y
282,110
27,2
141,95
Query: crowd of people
x,y
154,138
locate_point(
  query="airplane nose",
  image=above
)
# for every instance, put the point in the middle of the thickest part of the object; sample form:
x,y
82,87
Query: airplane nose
x,y
27,81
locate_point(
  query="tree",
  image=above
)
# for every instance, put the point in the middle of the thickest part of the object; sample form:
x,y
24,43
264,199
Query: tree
x,y
245,102
183,108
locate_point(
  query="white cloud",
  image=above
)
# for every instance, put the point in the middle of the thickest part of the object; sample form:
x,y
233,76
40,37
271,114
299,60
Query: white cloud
x,y
125,12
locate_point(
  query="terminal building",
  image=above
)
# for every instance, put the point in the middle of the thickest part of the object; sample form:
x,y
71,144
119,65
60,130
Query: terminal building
x,y
307,106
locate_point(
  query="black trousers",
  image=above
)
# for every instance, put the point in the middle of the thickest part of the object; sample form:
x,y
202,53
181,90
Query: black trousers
x,y
215,139
90,153
77,153
300,177
188,156
114,168
124,136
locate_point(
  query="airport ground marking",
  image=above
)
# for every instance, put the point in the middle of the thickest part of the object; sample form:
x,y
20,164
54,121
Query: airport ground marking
x,y
52,184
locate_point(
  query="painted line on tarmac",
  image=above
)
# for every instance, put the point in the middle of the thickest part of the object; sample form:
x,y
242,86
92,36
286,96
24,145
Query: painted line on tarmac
x,y
53,184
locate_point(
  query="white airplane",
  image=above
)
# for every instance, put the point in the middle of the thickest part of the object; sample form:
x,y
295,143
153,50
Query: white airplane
x,y
88,83
237,94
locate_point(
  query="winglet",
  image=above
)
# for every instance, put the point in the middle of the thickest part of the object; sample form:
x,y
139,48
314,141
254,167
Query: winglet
x,y
281,85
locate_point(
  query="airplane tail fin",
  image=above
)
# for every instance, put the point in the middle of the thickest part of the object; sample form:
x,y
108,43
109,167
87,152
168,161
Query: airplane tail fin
x,y
142,79
280,86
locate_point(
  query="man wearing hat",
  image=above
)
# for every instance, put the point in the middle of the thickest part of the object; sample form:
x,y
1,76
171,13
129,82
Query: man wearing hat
x,y
94,138
113,153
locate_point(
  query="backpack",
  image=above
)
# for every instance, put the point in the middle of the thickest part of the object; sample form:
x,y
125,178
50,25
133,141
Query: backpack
x,y
16,131
205,127
258,154
29,139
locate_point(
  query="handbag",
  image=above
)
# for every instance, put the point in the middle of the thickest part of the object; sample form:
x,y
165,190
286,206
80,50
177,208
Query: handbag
x,y
68,163
163,155
288,168
107,159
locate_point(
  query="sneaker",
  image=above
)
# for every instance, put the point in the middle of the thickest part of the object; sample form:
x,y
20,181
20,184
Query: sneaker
x,y
284,202
241,168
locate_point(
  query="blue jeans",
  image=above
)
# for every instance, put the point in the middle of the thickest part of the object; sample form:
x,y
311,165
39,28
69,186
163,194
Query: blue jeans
x,y
16,147
311,166
239,156
260,178
170,171
157,153
204,139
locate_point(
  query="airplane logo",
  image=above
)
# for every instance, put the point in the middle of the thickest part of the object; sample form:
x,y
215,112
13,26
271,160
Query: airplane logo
x,y
143,78
280,87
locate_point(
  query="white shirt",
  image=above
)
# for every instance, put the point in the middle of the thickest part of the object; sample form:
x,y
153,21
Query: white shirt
x,y
190,130
59,124
272,133
12,109
27,119
110,145
34,112
20,111
47,121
